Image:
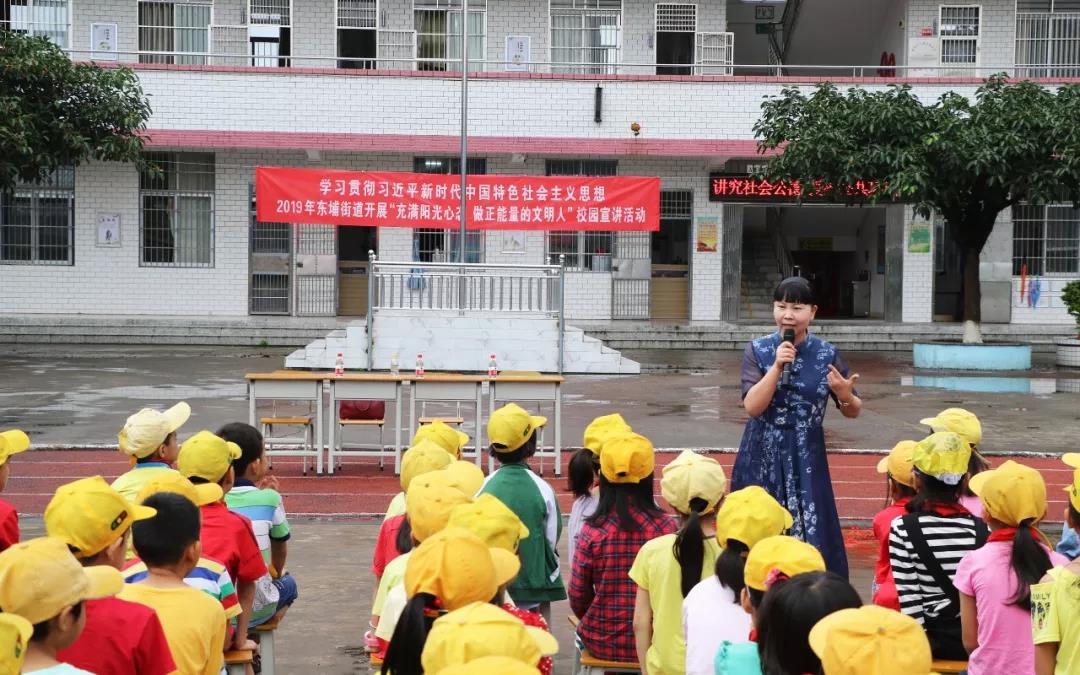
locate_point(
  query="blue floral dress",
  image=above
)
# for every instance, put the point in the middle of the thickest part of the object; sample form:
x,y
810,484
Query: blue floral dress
x,y
783,450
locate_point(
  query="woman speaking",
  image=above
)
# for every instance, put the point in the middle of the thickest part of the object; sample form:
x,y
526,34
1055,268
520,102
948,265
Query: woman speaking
x,y
788,378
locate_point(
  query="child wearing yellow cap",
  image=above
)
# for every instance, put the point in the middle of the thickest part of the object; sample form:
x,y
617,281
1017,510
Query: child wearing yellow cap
x,y
12,442
668,567
512,432
870,640
965,424
601,591
582,473
995,580
437,434
927,544
897,467
149,439
120,637
1055,603
15,633
480,631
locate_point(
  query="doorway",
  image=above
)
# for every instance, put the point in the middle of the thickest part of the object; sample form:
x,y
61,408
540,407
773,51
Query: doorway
x,y
354,268
669,292
948,274
676,25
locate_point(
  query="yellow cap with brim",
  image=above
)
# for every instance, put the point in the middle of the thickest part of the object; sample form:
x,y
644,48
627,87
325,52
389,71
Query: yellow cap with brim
x,y
1011,493
12,442
958,421
899,463
1072,459
489,665
627,458
467,476
458,568
429,501
15,633
511,426
1074,489
750,515
207,456
422,457
871,640
442,434
482,630
40,577
692,476
199,495
89,515
492,521
782,555
942,455
146,430
601,429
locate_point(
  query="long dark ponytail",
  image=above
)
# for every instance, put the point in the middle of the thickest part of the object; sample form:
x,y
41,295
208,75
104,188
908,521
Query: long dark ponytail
x,y
731,566
690,546
404,541
410,634
618,498
1029,561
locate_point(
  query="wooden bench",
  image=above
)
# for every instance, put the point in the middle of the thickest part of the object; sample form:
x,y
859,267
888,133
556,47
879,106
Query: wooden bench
x,y
590,665
376,662
944,666
237,660
265,632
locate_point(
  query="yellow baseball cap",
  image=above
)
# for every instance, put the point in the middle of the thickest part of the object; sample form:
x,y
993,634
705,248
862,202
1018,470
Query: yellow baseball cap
x,y
871,640
1072,459
942,455
1011,493
199,495
12,442
429,501
511,426
206,456
15,633
458,568
40,577
899,462
443,435
480,630
691,476
750,515
467,476
783,554
627,458
146,430
89,515
958,421
488,665
491,520
425,455
601,429
1074,489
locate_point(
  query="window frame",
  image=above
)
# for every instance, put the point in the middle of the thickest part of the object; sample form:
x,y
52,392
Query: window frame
x,y
65,190
359,64
175,56
450,8
581,260
476,166
583,9
956,67
67,24
284,37
1043,241
176,194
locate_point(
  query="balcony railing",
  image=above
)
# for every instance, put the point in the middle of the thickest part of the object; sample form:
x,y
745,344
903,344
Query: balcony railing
x,y
1048,45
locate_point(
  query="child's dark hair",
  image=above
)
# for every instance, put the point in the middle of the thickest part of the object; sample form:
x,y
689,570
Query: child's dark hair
x,y
250,441
891,485
581,473
404,541
1029,561
731,566
618,497
796,290
790,609
410,634
150,458
161,541
527,450
933,491
976,464
42,630
689,546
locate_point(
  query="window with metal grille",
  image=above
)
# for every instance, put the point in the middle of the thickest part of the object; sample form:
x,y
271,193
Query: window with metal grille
x,y
444,245
177,209
1048,38
174,32
438,35
586,35
270,32
1046,239
48,18
676,18
357,33
580,251
37,221
958,29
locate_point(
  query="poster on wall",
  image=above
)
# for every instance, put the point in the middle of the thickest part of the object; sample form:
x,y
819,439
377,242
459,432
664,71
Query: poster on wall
x,y
706,234
108,229
919,237
103,41
518,52
513,241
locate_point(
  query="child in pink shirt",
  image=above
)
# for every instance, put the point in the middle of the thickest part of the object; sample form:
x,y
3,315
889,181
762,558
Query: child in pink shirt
x,y
897,466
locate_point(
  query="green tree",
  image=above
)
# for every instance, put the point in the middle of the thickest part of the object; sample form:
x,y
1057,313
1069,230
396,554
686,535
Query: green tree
x,y
966,159
54,112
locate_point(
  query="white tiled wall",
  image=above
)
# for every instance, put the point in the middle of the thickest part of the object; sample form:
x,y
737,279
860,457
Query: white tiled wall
x,y
997,39
918,305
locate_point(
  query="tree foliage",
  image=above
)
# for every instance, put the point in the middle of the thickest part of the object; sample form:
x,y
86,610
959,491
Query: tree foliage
x,y
54,112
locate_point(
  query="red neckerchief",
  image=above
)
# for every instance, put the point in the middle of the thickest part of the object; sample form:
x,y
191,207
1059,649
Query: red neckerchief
x,y
946,509
1007,534
753,635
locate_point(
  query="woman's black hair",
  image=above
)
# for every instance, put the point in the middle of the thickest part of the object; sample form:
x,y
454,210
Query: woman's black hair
x,y
796,290
581,473
404,541
689,546
933,491
789,611
410,635
527,450
617,498
42,628
731,566
1029,561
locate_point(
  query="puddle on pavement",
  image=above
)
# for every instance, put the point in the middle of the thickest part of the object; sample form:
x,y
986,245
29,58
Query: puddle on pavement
x,y
1035,386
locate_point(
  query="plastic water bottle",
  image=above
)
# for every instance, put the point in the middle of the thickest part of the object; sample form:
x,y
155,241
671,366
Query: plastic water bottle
x,y
395,366
419,365
339,365
493,367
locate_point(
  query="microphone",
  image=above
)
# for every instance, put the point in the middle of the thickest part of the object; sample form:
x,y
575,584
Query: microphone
x,y
785,375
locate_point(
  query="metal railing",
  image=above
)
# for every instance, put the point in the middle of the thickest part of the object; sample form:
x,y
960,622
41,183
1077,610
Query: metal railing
x,y
1048,45
784,263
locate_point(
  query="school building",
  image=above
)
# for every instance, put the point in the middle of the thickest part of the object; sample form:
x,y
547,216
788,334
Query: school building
x,y
555,87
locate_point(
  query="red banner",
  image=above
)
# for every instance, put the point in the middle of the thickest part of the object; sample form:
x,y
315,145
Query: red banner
x,y
493,202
